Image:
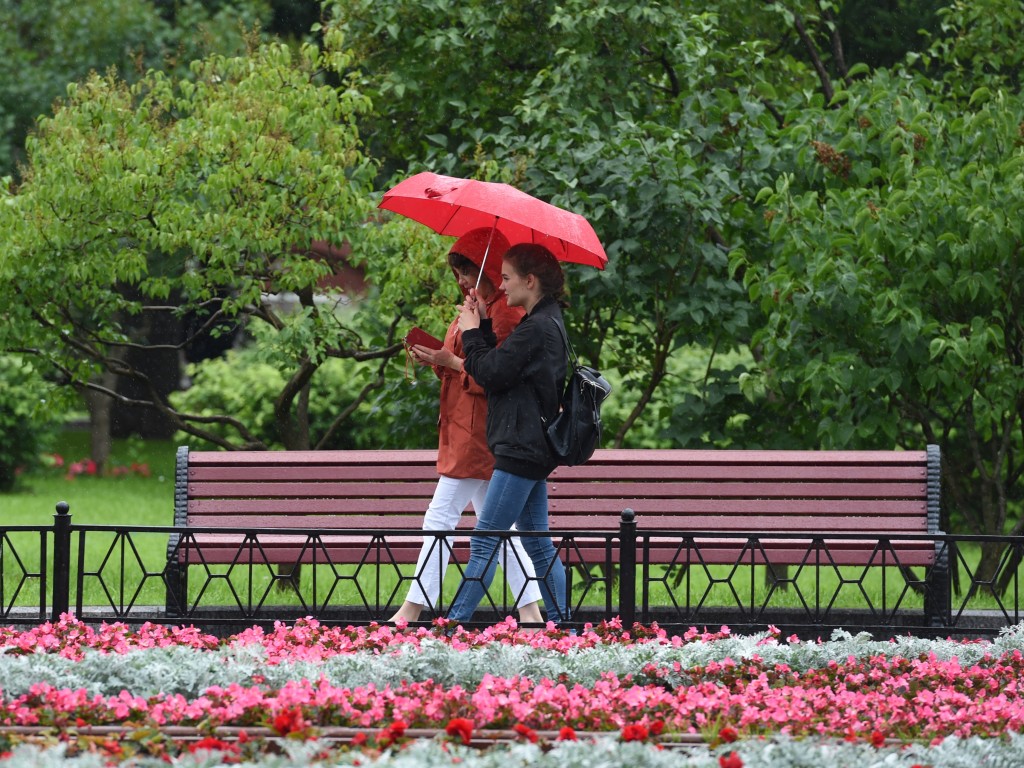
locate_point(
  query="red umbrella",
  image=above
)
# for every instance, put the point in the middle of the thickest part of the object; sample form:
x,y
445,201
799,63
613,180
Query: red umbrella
x,y
453,206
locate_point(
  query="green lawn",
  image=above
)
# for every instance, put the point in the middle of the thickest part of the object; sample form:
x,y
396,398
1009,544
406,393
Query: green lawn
x,y
130,499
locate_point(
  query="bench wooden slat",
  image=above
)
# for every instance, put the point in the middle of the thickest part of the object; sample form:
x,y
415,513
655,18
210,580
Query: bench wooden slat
x,y
708,473
567,475
650,507
607,456
397,457
790,524
740,457
255,488
412,519
337,473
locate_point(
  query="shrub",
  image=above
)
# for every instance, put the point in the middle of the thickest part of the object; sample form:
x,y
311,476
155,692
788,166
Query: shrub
x,y
27,421
243,384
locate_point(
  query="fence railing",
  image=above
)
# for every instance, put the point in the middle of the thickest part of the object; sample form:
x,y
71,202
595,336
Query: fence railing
x,y
128,574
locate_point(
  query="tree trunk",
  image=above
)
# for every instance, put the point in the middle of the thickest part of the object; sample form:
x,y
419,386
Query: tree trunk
x,y
101,408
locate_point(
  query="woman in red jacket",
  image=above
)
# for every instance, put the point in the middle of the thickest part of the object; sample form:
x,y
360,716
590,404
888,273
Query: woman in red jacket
x,y
464,462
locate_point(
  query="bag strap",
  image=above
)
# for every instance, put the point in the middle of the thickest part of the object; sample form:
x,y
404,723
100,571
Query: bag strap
x,y
569,351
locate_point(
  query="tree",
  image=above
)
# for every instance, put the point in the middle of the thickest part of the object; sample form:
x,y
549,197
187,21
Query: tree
x,y
893,289
648,119
45,46
202,195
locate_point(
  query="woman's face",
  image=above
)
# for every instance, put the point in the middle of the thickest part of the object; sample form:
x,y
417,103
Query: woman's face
x,y
517,289
466,278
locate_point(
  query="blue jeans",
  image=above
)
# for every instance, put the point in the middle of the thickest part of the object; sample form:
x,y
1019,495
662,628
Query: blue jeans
x,y
524,502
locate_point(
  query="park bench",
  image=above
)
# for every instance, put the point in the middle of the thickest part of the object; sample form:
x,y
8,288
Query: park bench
x,y
691,508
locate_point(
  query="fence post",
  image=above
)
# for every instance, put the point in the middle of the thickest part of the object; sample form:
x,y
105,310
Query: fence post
x,y
61,561
627,568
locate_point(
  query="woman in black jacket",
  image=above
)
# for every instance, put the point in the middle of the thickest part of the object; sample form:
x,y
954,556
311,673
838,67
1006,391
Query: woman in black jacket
x,y
523,379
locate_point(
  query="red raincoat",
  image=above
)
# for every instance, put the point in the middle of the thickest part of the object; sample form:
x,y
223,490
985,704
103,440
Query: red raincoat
x,y
462,445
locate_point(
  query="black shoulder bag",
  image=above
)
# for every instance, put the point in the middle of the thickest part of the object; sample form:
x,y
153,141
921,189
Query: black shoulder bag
x,y
575,432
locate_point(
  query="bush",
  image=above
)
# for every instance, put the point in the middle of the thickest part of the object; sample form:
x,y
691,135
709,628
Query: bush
x,y
241,384
27,421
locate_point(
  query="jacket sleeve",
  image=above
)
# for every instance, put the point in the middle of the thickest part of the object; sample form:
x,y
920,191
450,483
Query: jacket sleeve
x,y
504,319
498,369
451,342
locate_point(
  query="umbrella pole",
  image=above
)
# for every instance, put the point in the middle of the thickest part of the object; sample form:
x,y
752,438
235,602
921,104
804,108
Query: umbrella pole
x,y
487,250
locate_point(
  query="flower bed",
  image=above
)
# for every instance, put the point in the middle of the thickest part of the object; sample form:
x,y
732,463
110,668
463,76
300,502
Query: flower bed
x,y
304,694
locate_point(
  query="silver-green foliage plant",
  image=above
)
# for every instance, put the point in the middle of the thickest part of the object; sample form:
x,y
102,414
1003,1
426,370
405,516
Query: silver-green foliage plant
x,y
603,752
178,670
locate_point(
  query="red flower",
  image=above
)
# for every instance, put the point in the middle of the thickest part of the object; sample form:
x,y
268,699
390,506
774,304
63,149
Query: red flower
x,y
461,728
657,727
634,732
289,721
732,760
566,734
397,728
391,733
359,739
728,734
877,738
212,744
526,732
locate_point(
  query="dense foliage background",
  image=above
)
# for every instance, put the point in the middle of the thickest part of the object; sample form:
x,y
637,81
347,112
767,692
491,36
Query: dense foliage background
x,y
812,212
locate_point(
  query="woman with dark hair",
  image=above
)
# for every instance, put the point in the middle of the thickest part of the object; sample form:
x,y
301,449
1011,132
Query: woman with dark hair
x,y
523,379
463,461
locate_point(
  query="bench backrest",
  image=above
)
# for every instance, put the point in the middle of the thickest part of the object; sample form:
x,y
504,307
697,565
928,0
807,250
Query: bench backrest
x,y
882,492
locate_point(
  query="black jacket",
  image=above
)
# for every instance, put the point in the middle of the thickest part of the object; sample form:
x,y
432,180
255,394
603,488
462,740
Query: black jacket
x,y
523,378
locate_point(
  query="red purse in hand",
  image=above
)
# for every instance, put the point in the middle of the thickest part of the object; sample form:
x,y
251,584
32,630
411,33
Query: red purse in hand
x,y
419,337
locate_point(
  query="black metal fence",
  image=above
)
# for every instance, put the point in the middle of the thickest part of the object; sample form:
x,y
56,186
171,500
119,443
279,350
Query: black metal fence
x,y
131,574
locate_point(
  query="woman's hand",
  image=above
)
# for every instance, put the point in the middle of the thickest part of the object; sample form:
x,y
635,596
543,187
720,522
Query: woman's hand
x,y
443,357
471,312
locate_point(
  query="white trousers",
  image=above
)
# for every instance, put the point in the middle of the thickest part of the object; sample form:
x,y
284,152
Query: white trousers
x,y
451,496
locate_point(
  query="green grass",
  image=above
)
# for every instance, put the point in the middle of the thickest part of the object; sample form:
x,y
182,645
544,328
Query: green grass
x,y
126,500
131,499
149,501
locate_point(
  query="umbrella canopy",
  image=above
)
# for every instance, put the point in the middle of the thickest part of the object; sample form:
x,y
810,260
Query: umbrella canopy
x,y
454,206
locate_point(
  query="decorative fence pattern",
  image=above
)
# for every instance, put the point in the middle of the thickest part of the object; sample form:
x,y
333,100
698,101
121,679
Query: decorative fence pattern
x,y
128,574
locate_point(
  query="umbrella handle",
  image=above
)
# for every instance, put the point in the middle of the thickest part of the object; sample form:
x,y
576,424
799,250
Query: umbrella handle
x,y
487,250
